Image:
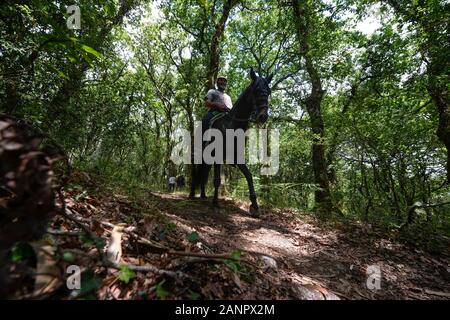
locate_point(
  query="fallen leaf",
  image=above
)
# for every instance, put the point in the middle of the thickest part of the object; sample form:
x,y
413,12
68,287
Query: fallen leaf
x,y
49,275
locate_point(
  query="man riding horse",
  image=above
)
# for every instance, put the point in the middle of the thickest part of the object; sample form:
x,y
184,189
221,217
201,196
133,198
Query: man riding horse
x,y
251,106
216,101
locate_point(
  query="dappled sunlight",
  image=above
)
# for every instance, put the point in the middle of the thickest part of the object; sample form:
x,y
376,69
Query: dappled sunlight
x,y
334,262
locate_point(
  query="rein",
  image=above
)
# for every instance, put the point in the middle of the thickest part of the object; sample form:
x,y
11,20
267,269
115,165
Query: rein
x,y
251,118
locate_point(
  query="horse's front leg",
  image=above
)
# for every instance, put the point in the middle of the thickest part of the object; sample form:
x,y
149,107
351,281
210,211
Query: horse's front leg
x,y
248,176
216,185
194,180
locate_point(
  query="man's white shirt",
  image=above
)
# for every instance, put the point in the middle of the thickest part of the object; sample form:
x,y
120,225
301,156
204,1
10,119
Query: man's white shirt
x,y
214,95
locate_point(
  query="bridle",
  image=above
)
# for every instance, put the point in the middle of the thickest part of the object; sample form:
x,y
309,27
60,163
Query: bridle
x,y
255,108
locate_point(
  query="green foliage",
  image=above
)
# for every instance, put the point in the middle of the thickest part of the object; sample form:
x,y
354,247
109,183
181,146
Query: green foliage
x,y
21,251
233,265
69,257
170,227
88,241
89,284
126,274
193,295
193,236
91,50
161,293
236,254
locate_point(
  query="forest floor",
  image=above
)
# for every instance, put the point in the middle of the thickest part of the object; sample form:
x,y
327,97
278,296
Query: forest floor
x,y
312,262
227,254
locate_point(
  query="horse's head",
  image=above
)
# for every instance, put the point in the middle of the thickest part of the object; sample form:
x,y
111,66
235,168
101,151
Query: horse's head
x,y
261,92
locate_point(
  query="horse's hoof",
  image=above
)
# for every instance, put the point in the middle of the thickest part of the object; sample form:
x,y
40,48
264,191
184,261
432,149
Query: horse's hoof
x,y
203,197
254,212
192,196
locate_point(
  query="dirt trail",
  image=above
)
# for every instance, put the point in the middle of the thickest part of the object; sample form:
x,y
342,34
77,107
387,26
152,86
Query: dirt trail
x,y
314,262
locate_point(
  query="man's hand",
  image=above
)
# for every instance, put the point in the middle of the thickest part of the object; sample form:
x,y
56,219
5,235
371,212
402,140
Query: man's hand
x,y
216,105
224,107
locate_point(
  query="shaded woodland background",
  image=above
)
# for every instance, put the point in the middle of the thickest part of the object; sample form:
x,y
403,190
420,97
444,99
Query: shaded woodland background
x,y
360,96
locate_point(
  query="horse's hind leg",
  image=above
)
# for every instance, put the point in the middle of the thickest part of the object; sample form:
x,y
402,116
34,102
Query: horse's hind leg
x,y
204,179
216,185
248,176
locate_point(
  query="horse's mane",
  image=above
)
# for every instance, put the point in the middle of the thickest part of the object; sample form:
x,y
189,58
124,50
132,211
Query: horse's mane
x,y
244,93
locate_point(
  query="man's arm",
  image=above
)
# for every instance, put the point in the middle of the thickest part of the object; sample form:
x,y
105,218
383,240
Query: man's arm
x,y
214,105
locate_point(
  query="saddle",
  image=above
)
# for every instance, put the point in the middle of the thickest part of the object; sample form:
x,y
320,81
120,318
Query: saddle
x,y
217,115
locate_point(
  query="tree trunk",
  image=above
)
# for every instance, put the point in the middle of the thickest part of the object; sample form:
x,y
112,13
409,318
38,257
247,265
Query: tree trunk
x,y
71,86
302,17
441,99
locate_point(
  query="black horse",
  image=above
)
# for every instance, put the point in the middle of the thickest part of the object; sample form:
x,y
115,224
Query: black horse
x,y
252,103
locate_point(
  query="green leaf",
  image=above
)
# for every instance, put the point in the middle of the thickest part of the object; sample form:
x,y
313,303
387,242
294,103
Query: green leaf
x,y
25,9
71,58
89,282
21,251
236,254
170,227
193,236
126,274
91,50
69,257
161,293
234,266
87,59
85,239
99,242
62,74
16,254
193,295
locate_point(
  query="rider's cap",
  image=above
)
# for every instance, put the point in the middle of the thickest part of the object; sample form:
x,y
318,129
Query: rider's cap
x,y
222,77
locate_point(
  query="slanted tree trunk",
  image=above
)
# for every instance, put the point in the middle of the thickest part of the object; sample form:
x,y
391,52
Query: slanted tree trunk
x,y
214,49
302,17
214,61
